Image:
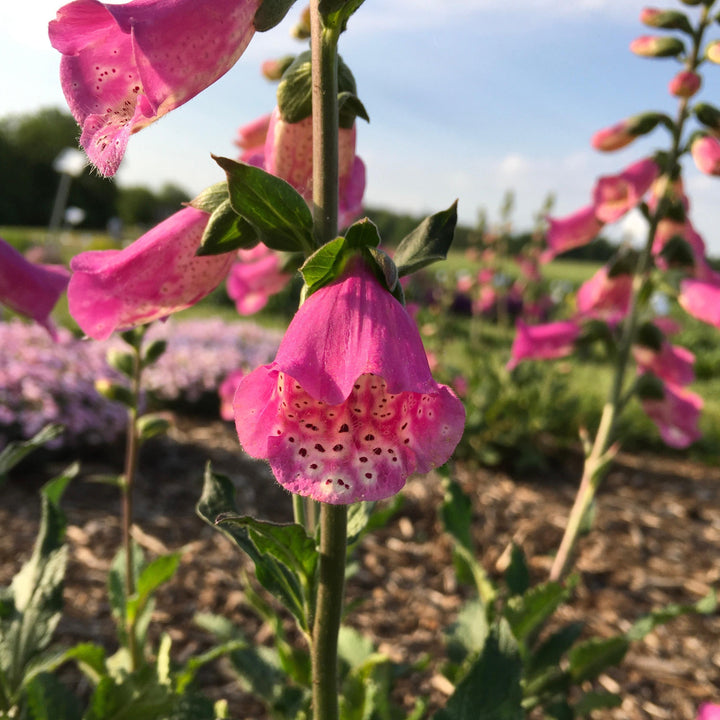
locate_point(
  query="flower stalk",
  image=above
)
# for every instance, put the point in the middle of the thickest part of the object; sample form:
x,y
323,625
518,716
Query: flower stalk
x,y
602,451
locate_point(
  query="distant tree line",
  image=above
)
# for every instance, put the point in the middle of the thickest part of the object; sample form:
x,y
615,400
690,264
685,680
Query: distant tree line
x,y
29,144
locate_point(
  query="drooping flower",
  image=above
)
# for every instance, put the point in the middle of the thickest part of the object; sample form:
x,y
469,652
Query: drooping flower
x,y
624,132
153,277
571,231
124,66
615,195
543,342
676,415
705,151
348,409
254,278
30,289
251,140
287,153
701,299
605,297
672,363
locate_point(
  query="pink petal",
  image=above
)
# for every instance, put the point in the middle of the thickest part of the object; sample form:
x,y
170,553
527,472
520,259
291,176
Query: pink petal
x,y
571,231
701,299
543,342
157,275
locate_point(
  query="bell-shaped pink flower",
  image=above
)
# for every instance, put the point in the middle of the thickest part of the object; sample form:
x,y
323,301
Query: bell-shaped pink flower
x,y
672,363
701,299
676,415
571,231
705,151
153,277
348,409
708,711
124,66
614,137
615,195
254,278
604,297
543,342
287,153
251,139
30,289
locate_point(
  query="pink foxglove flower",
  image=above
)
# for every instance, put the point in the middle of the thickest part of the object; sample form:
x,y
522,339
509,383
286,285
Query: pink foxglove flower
x,y
671,363
571,231
676,416
348,409
708,711
251,140
542,342
615,195
124,66
30,289
604,297
287,153
614,137
685,84
226,392
153,277
705,151
701,299
254,278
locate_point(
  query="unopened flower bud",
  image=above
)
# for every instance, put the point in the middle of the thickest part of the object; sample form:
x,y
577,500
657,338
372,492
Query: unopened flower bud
x,y
623,133
685,84
705,150
657,46
665,19
712,52
274,69
301,31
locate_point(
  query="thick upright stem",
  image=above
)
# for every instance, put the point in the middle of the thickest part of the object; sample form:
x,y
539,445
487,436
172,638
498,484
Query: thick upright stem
x,y
597,460
333,518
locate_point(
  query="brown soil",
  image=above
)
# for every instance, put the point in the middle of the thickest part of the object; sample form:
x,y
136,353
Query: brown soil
x,y
655,541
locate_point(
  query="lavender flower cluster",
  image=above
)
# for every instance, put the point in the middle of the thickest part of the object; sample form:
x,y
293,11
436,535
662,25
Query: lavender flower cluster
x,y
43,382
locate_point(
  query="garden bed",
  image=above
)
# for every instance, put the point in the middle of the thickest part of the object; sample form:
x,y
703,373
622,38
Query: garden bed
x,y
655,542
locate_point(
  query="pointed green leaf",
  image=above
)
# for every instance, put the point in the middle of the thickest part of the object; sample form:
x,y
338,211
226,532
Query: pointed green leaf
x,y
468,634
350,107
153,352
595,655
385,269
323,265
151,577
649,622
517,575
211,198
553,648
14,452
428,242
271,13
48,699
526,613
217,500
152,424
491,690
276,211
123,362
596,701
226,231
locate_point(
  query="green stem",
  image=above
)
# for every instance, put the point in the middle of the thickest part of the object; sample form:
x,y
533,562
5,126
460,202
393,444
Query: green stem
x,y
600,455
131,460
328,611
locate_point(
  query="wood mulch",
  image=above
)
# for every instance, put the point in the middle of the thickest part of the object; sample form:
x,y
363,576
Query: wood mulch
x,y
656,541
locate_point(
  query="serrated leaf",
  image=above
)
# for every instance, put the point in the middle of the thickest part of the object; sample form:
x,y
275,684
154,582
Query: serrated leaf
x,y
276,211
14,452
491,690
526,613
590,658
271,13
226,232
428,242
281,581
517,575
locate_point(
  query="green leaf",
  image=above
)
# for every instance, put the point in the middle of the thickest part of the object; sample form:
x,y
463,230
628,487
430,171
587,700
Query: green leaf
x,y
385,269
596,701
294,92
153,352
211,198
353,647
456,514
428,242
590,658
336,13
32,606
491,690
468,634
276,211
323,265
526,613
48,699
151,425
226,231
548,654
123,362
517,575
14,452
151,577
217,500
271,13
649,622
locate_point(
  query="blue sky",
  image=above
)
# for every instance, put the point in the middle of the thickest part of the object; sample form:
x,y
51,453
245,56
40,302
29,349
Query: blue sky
x,y
467,99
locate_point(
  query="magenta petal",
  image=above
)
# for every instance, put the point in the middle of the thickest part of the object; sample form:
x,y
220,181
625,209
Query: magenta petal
x,y
701,299
542,342
29,289
348,409
571,231
157,275
676,416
